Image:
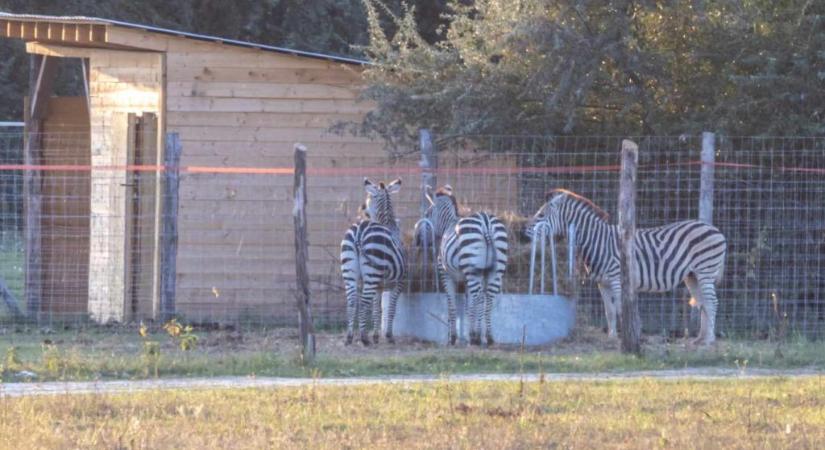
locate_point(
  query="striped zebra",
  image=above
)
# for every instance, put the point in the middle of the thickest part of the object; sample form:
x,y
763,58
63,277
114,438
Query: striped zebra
x,y
472,249
372,255
689,251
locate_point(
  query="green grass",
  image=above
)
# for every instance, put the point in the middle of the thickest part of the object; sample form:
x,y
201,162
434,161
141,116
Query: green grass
x,y
764,413
11,272
100,353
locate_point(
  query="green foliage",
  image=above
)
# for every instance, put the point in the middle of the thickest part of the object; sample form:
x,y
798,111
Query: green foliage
x,y
615,67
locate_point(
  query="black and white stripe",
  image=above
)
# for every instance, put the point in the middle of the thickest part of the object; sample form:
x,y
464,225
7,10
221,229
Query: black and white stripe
x,y
373,257
689,251
472,249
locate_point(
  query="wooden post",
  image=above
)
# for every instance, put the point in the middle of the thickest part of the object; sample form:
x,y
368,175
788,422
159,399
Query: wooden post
x,y
428,164
299,217
42,70
169,231
630,321
706,177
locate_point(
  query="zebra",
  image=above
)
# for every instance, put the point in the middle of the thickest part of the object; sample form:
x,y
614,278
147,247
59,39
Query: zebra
x,y
472,249
689,251
373,256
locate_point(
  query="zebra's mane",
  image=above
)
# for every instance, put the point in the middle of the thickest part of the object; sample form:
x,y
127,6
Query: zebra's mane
x,y
581,199
447,191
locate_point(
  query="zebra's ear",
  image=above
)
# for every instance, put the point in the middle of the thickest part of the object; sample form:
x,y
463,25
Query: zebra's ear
x,y
394,186
370,187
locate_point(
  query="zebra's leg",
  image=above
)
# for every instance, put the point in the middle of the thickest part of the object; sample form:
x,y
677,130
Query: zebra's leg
x,y
609,308
493,289
475,300
351,286
365,307
376,318
449,288
399,287
709,310
696,292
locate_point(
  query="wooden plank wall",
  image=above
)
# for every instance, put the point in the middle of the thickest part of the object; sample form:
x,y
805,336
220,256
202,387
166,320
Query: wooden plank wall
x,y
65,214
238,107
120,83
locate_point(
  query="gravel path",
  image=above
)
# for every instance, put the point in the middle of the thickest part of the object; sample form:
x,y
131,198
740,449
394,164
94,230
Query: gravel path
x,y
112,387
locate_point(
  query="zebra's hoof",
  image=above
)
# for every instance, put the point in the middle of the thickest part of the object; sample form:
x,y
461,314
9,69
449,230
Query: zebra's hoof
x,y
452,339
390,339
375,339
475,339
490,341
348,341
365,339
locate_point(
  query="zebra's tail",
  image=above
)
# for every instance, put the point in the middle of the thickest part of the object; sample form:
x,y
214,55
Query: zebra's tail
x,y
721,273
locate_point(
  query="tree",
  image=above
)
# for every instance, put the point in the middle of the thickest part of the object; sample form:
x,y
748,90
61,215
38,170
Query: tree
x,y
619,67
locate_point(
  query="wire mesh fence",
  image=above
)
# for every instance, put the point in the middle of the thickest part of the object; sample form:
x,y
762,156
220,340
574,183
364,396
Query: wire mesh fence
x,y
101,226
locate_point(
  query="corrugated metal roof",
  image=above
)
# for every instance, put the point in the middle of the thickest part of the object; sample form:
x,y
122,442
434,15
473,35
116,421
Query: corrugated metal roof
x,y
98,21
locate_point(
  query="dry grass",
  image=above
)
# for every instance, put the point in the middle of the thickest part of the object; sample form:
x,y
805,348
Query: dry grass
x,y
768,413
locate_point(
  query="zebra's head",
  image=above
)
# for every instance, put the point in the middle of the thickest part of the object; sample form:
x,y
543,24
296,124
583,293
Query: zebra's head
x,y
548,218
561,209
378,206
443,210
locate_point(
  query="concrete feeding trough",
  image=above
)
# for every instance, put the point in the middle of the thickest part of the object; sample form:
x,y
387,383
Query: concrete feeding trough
x,y
541,318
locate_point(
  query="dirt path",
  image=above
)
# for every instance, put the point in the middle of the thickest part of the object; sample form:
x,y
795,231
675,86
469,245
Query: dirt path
x,y
113,387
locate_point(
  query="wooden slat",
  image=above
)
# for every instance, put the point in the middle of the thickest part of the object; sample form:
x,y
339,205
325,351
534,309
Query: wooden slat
x,y
341,77
251,59
260,90
4,28
42,90
236,119
265,105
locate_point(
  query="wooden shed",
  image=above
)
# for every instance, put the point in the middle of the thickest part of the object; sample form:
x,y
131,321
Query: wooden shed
x,y
233,104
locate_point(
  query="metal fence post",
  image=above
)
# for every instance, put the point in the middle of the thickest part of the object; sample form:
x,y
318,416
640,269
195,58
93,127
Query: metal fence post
x,y
169,232
630,322
706,177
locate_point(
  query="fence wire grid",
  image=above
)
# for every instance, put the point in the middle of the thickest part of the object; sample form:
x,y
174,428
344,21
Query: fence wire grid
x,y
100,227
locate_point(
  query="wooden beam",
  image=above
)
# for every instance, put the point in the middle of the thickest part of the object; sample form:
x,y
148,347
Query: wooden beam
x,y
299,219
84,67
631,328
4,24
32,189
43,86
130,222
169,233
136,39
58,51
